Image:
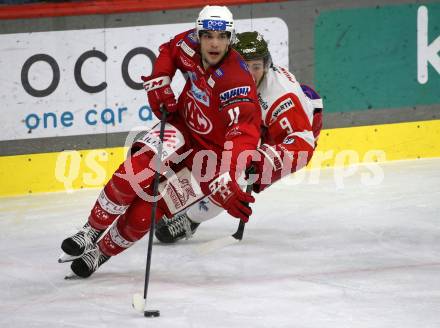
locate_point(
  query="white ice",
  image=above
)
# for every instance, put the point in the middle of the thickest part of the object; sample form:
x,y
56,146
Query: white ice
x,y
327,252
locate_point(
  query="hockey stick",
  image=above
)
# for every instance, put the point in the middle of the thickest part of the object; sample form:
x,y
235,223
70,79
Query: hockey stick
x,y
237,236
140,303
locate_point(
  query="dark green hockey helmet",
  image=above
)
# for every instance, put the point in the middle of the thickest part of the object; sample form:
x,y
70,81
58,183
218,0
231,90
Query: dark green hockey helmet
x,y
251,46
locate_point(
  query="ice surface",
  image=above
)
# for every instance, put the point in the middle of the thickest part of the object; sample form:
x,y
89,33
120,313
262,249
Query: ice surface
x,y
327,252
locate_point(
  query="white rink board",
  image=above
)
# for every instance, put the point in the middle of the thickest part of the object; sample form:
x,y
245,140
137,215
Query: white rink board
x,y
69,110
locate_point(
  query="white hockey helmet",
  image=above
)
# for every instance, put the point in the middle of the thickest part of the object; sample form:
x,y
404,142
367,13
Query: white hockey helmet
x,y
215,18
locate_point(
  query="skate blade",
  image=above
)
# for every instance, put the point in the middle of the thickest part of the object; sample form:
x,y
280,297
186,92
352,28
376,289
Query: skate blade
x,y
67,258
72,276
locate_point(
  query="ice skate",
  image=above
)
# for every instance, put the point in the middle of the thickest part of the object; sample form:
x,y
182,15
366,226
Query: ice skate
x,y
80,243
171,230
87,264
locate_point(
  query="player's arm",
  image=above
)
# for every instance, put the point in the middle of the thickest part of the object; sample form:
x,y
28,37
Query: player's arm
x,y
243,119
157,85
291,141
318,108
166,63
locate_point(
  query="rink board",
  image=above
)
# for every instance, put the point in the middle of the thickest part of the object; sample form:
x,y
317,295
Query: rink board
x,y
70,170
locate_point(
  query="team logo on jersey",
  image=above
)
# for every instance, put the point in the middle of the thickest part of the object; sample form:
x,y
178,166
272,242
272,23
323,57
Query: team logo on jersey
x,y
235,92
195,118
283,107
199,95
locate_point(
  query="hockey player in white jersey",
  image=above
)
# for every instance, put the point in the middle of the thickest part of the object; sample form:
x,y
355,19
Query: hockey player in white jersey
x,y
292,121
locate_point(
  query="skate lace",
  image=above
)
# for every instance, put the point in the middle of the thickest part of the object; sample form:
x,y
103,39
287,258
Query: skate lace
x,y
86,237
179,224
94,259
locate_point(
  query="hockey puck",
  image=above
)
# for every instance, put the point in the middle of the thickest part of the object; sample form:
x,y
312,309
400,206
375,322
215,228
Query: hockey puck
x,y
152,313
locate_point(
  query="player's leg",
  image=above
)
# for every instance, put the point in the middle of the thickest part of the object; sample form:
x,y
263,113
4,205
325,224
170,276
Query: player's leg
x,y
113,201
180,193
176,193
129,227
184,225
131,178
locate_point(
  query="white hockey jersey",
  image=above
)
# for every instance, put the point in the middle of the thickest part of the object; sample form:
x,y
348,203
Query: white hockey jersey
x,y
292,119
286,110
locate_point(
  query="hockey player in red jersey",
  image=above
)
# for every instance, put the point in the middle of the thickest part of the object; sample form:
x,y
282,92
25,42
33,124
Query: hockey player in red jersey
x,y
292,121
210,130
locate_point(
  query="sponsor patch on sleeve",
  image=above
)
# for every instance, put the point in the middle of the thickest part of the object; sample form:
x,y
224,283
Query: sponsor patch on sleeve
x,y
187,49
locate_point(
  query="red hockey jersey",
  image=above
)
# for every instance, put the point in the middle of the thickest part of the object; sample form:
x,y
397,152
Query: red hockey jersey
x,y
218,104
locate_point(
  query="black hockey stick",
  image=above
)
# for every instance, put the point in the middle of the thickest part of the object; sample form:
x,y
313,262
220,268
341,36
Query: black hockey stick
x,y
240,230
139,303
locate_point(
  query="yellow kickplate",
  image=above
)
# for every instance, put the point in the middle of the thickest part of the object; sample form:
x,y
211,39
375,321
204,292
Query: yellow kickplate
x,y
69,170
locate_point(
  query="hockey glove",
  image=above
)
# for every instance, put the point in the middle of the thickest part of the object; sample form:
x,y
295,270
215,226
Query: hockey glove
x,y
268,169
159,92
226,192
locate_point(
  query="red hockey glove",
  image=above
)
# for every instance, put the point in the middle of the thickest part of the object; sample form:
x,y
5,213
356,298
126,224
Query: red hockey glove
x,y
277,161
268,169
227,194
159,92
